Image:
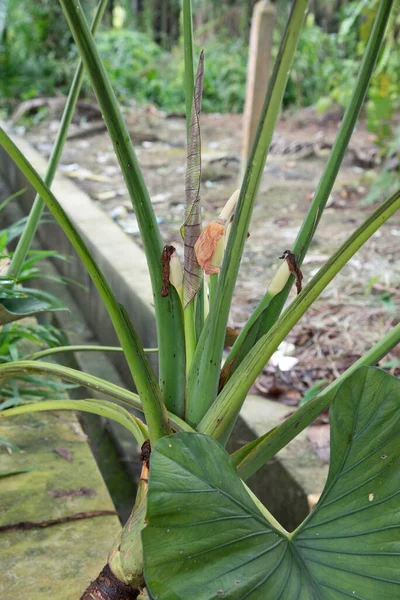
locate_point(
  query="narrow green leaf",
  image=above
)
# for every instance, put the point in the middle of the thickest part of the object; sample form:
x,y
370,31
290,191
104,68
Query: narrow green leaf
x,y
209,540
14,309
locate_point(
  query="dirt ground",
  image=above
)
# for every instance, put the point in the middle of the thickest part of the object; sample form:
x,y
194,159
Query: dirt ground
x,y
353,312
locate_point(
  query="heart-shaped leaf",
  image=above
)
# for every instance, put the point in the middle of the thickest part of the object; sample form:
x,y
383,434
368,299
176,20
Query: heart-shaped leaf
x,y
206,539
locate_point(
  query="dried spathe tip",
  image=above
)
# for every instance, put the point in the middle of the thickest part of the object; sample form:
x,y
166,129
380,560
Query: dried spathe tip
x,y
209,248
165,260
294,269
281,277
172,271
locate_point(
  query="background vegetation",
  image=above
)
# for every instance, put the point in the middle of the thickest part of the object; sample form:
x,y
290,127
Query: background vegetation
x,y
141,46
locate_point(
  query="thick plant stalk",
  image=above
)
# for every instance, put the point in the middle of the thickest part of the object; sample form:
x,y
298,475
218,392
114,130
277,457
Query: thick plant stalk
x,y
269,308
204,374
36,211
122,578
220,417
168,309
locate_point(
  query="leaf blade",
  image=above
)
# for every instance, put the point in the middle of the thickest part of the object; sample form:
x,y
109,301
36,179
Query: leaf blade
x,y
207,540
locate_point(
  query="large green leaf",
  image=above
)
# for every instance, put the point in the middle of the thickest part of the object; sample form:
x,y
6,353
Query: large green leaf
x,y
207,539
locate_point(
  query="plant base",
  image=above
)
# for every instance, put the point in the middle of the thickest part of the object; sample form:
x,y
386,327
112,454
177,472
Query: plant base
x,y
107,587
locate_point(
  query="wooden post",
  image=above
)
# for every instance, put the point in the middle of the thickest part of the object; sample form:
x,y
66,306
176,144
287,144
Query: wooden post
x,y
258,71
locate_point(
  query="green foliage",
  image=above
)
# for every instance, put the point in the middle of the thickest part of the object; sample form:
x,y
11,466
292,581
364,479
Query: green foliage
x,y
326,65
132,61
206,536
318,66
33,49
208,539
32,64
18,335
139,69
36,49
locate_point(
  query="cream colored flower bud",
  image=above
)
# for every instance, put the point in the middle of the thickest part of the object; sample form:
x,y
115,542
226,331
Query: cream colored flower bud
x,y
229,207
280,279
176,273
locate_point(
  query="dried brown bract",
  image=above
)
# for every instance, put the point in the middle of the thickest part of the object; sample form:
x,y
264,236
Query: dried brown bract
x,y
165,260
290,258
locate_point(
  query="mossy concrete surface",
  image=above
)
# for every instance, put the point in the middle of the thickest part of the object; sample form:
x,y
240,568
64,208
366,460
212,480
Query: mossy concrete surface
x,y
43,561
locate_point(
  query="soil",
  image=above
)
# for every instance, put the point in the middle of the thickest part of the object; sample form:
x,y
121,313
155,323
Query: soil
x,y
353,312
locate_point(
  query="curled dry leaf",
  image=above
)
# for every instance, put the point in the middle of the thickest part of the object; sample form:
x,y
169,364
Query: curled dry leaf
x,y
209,247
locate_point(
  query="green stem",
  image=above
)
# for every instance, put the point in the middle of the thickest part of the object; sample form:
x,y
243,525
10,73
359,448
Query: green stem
x,y
168,309
238,344
190,333
91,382
25,241
199,311
267,313
60,349
265,512
204,375
253,456
96,407
188,55
139,367
213,288
228,403
19,368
